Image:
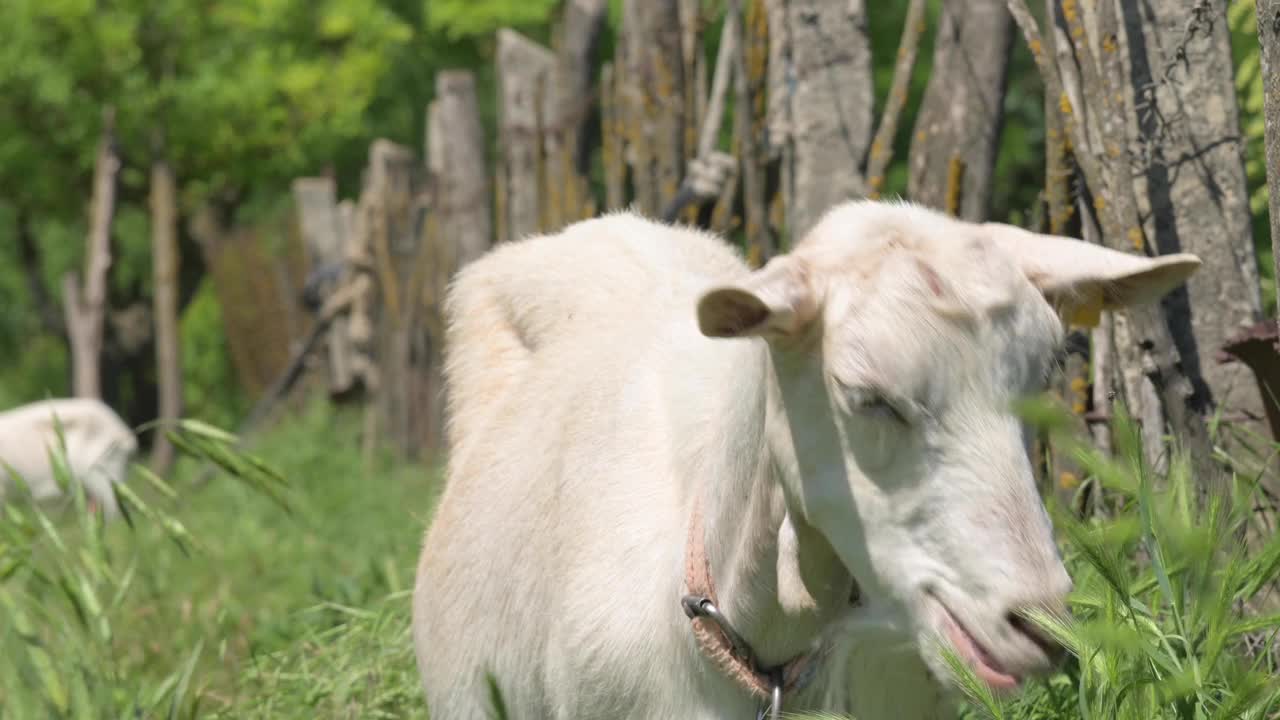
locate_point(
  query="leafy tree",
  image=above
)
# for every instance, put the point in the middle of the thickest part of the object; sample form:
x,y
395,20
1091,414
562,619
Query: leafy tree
x,y
245,94
476,18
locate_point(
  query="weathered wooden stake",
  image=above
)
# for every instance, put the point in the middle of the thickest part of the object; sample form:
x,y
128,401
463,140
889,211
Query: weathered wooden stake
x,y
164,263
524,67
85,304
963,107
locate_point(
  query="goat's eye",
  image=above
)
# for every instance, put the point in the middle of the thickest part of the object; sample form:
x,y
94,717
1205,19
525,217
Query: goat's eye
x,y
871,401
880,406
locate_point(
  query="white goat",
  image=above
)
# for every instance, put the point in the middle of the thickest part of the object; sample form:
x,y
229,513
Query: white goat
x,y
99,446
640,423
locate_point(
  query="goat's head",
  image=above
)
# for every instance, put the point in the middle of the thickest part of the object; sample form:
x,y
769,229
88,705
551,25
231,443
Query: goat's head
x,y
901,338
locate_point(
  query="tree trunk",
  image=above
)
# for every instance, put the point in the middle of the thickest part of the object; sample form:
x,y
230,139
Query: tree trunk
x,y
85,306
1269,40
829,97
1192,187
164,261
524,70
963,108
656,100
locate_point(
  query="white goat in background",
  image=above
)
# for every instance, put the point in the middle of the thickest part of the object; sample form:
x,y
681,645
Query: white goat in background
x,y
822,452
99,446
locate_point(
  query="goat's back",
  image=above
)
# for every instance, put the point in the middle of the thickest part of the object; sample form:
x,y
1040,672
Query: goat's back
x,y
617,273
91,429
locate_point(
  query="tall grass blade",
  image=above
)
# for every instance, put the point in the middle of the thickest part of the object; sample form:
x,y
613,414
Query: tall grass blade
x,y
184,681
497,705
971,685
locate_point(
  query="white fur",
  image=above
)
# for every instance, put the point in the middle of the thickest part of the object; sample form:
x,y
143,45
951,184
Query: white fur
x,y
98,448
589,404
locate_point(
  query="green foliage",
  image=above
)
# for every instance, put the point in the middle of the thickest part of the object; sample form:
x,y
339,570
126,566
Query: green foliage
x,y
208,377
40,370
1160,583
1242,17
481,18
250,91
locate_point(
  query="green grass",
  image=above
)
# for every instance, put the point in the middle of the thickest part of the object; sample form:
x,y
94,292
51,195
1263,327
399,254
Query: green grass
x,y
267,612
280,590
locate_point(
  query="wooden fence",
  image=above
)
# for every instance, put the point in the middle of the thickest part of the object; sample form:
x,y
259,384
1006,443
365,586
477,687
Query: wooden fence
x,y
649,128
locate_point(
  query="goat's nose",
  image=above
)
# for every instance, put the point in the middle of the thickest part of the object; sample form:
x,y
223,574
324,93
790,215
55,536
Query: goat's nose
x,y
1050,600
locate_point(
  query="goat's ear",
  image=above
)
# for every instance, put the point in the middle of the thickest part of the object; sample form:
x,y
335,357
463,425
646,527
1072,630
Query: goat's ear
x,y
776,300
1082,278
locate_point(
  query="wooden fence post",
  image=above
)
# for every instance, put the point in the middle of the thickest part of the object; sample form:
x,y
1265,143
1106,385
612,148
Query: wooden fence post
x,y
819,45
750,61
963,109
324,237
387,207
458,228
613,138
656,104
524,67
568,110
165,260
86,303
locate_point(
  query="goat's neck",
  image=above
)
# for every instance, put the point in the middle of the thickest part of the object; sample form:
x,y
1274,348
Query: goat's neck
x,y
778,580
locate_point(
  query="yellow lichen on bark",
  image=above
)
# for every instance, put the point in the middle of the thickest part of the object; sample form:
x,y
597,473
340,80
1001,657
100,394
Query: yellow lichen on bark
x,y
955,180
1135,237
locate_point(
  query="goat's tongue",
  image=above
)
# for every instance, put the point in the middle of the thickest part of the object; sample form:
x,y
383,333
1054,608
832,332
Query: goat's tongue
x,y
984,666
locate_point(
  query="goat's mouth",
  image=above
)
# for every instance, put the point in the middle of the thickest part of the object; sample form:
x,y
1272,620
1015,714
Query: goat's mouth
x,y
974,654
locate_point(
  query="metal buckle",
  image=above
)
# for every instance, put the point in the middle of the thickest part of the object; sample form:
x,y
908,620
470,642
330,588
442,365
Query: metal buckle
x,y
696,606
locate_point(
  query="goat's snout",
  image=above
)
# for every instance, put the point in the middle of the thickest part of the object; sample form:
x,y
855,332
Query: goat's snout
x,y
1049,600
1026,627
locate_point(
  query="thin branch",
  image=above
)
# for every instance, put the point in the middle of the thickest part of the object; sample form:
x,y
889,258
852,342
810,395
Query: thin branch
x,y
1074,119
720,81
689,191
882,144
